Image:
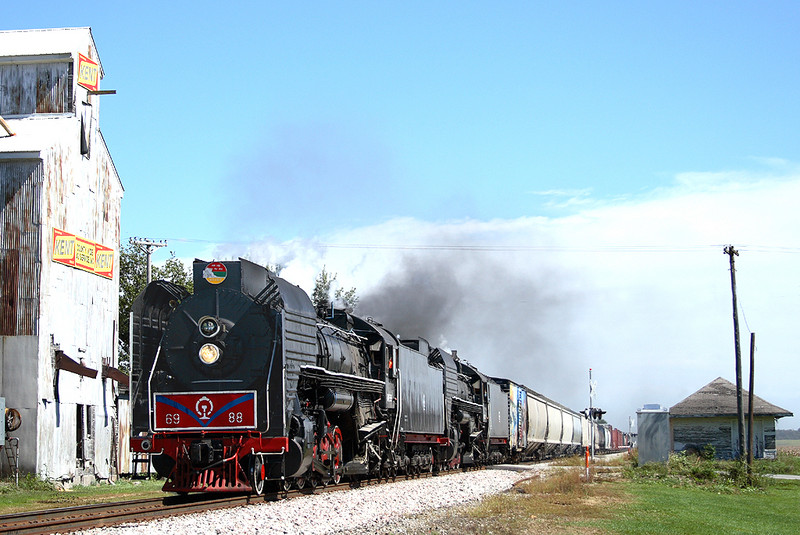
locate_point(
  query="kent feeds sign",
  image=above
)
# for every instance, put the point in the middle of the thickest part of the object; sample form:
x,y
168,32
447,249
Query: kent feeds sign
x,y
80,253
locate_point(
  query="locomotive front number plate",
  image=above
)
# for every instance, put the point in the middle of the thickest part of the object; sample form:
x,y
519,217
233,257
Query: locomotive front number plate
x,y
204,411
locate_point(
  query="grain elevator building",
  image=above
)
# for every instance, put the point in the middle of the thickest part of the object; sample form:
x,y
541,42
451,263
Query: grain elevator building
x,y
59,252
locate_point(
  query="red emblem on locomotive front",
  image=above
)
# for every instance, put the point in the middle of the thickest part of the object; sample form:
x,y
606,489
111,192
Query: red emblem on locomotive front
x,y
203,411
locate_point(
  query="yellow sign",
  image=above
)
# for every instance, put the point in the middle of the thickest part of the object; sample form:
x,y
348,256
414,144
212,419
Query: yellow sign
x,y
80,253
84,254
63,247
88,73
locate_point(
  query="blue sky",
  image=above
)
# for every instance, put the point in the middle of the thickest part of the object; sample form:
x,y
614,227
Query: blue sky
x,y
450,110
560,131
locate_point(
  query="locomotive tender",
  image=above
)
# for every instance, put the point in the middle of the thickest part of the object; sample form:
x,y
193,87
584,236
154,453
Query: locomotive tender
x,y
240,385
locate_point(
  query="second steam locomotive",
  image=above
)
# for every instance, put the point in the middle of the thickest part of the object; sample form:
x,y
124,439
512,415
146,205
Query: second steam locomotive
x,y
240,385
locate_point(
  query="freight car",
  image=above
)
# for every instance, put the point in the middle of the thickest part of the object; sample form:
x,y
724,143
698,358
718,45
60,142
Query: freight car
x,y
240,385
539,426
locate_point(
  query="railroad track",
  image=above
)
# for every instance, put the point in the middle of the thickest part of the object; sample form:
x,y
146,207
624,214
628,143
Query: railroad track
x,y
66,519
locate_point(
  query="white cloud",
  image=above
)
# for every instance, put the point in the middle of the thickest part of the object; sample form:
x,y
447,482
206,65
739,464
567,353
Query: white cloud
x,y
638,290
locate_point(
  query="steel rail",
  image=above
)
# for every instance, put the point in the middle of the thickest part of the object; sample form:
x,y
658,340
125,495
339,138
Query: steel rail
x,y
75,518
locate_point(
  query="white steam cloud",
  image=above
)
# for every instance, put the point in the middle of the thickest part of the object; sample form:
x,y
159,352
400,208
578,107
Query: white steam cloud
x,y
637,289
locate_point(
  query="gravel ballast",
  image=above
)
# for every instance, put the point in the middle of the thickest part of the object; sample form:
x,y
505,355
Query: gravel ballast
x,y
363,510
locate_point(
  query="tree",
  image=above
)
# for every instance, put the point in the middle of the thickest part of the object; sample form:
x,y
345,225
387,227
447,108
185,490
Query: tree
x,y
275,268
321,296
133,279
348,299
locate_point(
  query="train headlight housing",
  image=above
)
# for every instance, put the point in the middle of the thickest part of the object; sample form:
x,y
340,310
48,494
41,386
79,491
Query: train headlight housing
x,y
209,327
209,354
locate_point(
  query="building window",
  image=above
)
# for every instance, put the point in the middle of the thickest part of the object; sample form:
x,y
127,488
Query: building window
x,y
39,87
80,422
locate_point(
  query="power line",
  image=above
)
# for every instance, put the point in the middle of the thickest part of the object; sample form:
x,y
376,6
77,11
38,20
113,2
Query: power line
x,y
508,248
524,248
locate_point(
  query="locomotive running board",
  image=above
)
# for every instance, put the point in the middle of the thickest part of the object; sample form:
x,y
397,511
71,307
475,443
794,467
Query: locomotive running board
x,y
341,380
467,405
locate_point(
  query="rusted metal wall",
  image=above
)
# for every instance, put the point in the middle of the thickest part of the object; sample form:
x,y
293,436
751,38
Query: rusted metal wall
x,y
20,258
36,87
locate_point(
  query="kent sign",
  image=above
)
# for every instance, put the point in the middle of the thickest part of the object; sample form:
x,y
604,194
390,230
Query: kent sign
x,y
88,73
80,253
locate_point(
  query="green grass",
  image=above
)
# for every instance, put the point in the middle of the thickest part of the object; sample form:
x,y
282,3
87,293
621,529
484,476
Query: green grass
x,y
657,508
34,494
688,495
785,463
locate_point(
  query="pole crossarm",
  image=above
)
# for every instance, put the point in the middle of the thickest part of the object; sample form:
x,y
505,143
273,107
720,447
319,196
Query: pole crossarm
x,y
147,246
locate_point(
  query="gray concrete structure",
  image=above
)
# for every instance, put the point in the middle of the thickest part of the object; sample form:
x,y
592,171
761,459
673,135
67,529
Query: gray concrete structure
x,y
653,434
59,252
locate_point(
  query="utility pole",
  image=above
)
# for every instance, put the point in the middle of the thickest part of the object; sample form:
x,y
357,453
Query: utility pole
x,y
147,247
731,252
591,412
750,407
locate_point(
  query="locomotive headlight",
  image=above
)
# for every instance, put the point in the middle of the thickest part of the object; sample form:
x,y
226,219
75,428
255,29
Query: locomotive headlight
x,y
209,327
209,354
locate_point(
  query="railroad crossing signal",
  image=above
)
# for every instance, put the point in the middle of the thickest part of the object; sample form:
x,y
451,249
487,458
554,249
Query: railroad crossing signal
x,y
593,413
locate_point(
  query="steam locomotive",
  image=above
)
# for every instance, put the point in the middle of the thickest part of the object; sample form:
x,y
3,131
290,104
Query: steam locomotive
x,y
241,387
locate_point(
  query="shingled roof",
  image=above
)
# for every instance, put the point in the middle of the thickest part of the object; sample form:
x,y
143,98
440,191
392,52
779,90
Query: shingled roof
x,y
718,398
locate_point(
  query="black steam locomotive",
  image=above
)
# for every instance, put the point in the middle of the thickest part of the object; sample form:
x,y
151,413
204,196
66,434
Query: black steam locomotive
x,y
240,385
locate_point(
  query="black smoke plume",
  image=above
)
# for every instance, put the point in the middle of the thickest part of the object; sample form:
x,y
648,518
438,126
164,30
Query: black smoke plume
x,y
510,322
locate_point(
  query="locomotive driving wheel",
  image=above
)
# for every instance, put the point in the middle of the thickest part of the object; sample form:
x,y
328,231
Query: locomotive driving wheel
x,y
330,453
336,456
257,475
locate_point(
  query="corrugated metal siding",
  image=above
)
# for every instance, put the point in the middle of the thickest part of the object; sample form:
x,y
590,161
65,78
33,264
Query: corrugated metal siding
x,y
20,257
299,347
298,322
27,88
